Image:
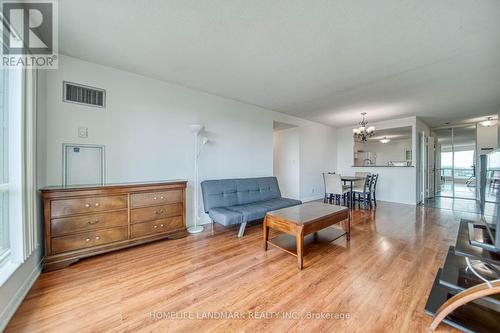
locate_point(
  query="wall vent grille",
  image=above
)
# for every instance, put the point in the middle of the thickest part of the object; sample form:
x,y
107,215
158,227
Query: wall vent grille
x,y
81,94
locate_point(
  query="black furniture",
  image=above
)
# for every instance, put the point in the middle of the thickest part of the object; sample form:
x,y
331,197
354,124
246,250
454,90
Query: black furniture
x,y
373,188
351,180
456,276
364,192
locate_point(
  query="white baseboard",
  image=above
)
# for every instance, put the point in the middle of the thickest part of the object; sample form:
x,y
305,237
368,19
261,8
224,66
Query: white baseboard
x,y
19,296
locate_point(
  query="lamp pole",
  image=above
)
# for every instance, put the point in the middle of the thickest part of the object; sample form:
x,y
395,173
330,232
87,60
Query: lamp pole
x,y
196,129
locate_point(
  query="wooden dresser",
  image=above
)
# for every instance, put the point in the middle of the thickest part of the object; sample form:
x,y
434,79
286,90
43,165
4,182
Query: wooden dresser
x,y
90,220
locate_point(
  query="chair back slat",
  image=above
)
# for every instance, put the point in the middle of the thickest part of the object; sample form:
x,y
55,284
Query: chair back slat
x,y
373,186
368,183
359,183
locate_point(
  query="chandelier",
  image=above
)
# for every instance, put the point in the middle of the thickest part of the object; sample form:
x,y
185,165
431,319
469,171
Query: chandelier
x,y
363,132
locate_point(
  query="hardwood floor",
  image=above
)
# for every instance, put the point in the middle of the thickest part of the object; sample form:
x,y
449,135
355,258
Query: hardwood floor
x,y
381,280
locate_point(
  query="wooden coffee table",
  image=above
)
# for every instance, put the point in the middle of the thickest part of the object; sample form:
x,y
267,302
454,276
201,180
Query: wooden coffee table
x,y
302,220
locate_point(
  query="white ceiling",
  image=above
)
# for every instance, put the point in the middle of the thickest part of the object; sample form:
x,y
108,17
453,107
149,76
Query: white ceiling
x,y
326,61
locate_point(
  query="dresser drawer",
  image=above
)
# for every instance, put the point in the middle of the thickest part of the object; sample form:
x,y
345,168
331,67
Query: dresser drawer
x,y
67,207
154,213
88,239
157,227
155,198
76,224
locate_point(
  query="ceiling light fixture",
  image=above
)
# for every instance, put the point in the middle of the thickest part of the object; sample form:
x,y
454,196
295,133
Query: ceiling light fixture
x,y
385,140
363,132
489,122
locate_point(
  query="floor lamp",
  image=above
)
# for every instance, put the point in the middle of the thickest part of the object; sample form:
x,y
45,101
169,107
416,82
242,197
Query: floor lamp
x,y
196,129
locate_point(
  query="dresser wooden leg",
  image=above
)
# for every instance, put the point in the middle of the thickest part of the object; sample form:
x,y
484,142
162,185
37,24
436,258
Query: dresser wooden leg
x,y
52,266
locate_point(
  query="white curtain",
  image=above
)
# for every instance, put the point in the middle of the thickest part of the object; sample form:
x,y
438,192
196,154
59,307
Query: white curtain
x,y
29,120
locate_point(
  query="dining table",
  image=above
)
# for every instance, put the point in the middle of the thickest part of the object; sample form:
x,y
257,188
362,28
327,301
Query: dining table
x,y
351,180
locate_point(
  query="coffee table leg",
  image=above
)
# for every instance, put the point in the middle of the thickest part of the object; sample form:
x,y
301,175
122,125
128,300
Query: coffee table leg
x,y
266,233
299,238
347,226
352,194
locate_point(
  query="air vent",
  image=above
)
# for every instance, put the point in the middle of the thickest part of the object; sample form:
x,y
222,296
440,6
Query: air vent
x,y
80,94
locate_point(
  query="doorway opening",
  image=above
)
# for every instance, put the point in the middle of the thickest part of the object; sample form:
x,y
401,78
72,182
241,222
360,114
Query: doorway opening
x,y
286,158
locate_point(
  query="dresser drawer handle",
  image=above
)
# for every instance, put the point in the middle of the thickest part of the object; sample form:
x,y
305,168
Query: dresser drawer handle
x,y
97,204
155,227
93,222
155,198
161,225
97,237
159,212
87,205
87,239
162,198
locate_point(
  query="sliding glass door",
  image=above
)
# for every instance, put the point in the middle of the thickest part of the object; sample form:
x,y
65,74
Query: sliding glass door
x,y
456,162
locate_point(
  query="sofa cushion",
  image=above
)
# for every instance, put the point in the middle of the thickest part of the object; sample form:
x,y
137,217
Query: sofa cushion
x,y
279,203
250,212
225,216
258,210
257,189
219,193
233,192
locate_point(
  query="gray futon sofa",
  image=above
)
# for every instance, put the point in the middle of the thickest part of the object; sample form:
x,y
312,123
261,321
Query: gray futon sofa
x,y
238,201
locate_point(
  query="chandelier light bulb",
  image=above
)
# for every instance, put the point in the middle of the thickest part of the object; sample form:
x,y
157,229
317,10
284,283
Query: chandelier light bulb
x,y
363,131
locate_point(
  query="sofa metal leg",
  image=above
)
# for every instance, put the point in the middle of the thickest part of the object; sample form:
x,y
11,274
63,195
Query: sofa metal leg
x,y
242,229
213,222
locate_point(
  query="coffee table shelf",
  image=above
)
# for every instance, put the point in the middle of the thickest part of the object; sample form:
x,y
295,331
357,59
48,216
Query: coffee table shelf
x,y
288,244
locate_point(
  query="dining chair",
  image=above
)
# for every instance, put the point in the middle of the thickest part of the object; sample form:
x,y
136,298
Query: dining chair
x,y
334,190
373,189
364,192
360,183
326,198
327,195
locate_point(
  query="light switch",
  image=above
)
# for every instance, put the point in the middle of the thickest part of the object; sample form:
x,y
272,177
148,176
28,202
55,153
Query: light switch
x,y
83,132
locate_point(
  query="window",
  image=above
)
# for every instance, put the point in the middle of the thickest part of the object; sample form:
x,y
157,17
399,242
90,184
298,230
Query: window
x,y
18,227
4,165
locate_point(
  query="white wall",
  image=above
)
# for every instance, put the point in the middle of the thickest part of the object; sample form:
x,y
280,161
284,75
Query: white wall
x,y
286,166
144,128
396,184
487,137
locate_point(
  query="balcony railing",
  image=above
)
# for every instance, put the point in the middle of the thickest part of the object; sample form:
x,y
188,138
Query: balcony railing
x,y
457,173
